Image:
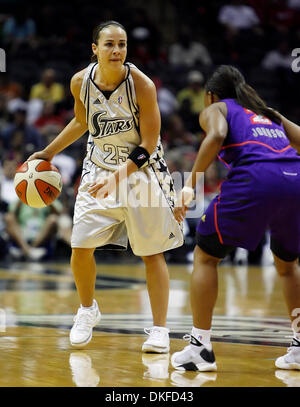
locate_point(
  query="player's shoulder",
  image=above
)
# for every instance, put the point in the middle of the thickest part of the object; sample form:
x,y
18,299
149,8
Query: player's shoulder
x,y
77,78
76,82
216,107
143,84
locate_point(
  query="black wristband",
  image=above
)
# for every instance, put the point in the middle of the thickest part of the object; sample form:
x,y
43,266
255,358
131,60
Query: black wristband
x,y
139,156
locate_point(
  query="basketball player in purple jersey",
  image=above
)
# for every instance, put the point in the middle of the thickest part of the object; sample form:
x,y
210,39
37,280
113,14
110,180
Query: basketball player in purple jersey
x,y
261,190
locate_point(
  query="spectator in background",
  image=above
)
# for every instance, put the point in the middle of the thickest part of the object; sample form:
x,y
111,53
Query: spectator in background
x,y
4,116
31,230
19,29
167,101
280,57
28,227
191,100
242,33
283,16
237,16
49,117
48,89
19,137
9,88
176,135
144,37
8,170
187,52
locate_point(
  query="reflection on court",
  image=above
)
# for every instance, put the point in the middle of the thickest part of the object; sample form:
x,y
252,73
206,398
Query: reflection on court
x,y
38,302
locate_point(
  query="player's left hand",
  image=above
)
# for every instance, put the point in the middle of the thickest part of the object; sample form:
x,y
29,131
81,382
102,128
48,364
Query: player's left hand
x,y
102,187
180,213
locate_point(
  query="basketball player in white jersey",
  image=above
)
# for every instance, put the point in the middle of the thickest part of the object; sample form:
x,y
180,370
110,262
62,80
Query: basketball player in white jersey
x,y
117,103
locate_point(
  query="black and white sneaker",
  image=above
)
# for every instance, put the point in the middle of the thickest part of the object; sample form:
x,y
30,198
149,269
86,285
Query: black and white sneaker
x,y
291,360
195,356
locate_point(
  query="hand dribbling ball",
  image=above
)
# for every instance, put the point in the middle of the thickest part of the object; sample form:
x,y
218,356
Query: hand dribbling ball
x,y
37,183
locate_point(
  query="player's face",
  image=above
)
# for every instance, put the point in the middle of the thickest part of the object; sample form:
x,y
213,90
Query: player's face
x,y
111,48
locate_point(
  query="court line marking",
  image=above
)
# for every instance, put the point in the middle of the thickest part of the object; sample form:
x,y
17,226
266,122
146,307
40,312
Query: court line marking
x,y
269,331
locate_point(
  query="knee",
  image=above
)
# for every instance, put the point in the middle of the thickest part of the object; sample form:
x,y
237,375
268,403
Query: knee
x,y
285,268
201,257
149,260
81,254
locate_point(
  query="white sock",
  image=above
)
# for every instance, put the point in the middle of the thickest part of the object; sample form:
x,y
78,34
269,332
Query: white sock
x,y
202,335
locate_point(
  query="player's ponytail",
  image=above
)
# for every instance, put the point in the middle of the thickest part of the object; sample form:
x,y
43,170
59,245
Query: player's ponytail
x,y
228,82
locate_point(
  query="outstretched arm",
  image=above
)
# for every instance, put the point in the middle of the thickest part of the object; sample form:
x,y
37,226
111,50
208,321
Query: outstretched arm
x,y
213,122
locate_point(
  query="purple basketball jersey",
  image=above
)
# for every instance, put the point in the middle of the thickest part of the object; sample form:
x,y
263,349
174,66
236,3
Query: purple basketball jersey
x,y
253,138
262,188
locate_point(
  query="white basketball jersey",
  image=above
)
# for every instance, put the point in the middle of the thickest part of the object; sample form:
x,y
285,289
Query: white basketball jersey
x,y
113,123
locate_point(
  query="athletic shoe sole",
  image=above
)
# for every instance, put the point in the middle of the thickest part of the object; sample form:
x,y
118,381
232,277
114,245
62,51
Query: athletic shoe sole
x,y
191,366
81,344
155,349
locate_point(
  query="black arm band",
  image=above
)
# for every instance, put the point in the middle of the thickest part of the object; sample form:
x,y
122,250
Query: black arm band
x,y
139,156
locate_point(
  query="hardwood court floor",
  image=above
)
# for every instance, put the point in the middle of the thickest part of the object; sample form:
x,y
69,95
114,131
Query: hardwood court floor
x,y
38,301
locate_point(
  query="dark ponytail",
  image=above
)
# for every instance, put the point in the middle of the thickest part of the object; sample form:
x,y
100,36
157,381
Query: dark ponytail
x,y
97,30
227,82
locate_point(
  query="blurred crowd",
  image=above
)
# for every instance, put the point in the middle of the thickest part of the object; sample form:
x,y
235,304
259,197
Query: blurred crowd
x,y
176,43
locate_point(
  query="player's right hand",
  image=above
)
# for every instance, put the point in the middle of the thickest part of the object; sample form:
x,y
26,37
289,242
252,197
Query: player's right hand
x,y
40,155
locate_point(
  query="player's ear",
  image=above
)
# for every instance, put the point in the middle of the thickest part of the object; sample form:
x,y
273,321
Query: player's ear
x,y
94,48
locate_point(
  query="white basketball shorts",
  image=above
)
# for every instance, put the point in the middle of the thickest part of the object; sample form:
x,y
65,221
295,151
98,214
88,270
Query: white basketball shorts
x,y
141,210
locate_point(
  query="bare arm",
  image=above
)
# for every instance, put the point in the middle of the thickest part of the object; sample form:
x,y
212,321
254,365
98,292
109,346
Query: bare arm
x,y
292,131
73,131
213,122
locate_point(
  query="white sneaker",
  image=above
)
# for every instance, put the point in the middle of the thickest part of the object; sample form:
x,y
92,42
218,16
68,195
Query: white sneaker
x,y
158,366
291,360
36,253
158,341
85,320
15,252
194,357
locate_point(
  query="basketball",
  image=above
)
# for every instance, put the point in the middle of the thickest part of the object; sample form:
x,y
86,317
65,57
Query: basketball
x,y
37,183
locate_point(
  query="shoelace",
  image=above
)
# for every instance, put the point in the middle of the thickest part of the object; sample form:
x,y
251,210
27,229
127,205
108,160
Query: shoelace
x,y
153,331
83,320
188,337
293,346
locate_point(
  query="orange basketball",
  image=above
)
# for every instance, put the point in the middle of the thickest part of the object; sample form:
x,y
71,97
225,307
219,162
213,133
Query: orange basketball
x,y
37,183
